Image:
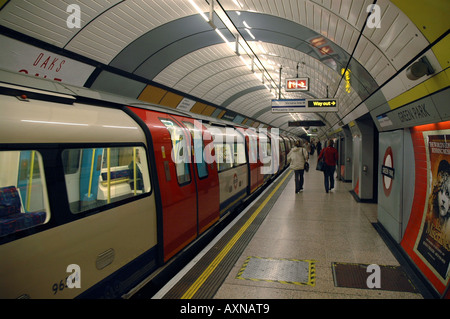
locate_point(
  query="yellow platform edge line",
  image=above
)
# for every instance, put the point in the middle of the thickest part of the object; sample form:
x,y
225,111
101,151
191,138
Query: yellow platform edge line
x,y
213,265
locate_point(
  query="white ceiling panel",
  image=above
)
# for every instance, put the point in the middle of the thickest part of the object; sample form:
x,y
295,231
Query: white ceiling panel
x,y
250,99
406,46
178,70
265,102
206,74
47,20
269,117
282,121
219,90
220,93
126,22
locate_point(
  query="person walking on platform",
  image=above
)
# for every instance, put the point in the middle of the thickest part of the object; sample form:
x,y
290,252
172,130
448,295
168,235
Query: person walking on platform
x,y
319,147
330,156
313,147
298,156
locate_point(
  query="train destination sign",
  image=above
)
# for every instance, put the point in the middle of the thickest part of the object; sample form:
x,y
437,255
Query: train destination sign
x,y
304,105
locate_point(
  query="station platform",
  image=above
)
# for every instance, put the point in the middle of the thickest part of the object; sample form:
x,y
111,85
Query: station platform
x,y
310,245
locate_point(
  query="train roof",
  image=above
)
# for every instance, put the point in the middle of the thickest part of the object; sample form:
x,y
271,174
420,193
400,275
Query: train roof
x,y
14,83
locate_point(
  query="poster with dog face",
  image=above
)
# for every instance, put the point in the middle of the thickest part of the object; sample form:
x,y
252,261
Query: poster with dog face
x,y
433,242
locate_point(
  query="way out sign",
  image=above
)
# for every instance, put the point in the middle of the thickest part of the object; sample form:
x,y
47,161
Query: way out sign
x,y
322,105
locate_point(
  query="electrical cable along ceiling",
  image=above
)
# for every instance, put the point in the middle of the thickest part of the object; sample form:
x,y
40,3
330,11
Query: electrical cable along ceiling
x,y
235,54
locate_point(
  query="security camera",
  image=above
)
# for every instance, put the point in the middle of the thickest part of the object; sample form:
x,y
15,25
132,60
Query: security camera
x,y
418,69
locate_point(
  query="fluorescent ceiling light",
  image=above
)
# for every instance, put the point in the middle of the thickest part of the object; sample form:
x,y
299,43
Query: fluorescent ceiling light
x,y
236,2
250,33
55,123
225,39
200,11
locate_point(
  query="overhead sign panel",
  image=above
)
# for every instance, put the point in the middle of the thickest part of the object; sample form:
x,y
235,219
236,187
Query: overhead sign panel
x,y
306,123
305,106
297,85
322,105
292,105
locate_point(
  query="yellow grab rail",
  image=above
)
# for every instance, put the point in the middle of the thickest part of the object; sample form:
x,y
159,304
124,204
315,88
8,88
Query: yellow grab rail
x,y
108,163
30,181
92,173
134,170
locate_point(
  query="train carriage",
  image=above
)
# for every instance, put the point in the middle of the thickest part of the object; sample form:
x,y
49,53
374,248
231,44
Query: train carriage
x,y
95,195
71,195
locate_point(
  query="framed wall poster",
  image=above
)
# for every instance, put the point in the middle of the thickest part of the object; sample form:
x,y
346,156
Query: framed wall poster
x,y
433,241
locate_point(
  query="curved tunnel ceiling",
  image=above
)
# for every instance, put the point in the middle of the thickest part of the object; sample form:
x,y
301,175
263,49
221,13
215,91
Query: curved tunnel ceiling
x,y
171,47
169,43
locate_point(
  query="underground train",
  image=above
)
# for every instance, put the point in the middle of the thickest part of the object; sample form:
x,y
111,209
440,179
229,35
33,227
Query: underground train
x,y
97,194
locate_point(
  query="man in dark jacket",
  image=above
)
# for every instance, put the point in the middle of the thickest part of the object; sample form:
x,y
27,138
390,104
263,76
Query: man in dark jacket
x,y
330,156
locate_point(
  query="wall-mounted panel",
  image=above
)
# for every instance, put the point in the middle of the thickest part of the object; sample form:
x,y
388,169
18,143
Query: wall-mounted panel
x,y
171,100
221,114
422,111
152,94
216,113
198,108
208,110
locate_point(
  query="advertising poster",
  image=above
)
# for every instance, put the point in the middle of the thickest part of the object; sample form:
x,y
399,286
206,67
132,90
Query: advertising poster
x,y
433,241
17,56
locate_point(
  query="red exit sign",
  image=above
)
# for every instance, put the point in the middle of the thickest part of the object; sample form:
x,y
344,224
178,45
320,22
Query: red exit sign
x,y
299,84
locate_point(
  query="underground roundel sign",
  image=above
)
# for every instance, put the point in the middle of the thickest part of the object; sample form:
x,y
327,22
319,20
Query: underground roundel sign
x,y
387,171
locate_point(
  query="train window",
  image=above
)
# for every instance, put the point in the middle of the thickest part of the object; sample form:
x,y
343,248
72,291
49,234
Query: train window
x,y
283,146
104,175
265,149
199,147
72,160
224,157
253,148
180,151
239,154
23,192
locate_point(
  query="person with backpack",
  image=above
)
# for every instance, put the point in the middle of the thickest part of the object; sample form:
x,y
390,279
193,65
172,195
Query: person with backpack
x,y
298,157
330,157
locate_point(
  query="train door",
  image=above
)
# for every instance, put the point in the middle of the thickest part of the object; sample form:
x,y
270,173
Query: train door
x,y
254,163
206,175
287,143
265,156
283,153
177,224
178,190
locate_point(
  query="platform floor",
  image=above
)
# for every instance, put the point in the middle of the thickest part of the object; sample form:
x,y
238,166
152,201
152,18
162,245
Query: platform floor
x,y
290,254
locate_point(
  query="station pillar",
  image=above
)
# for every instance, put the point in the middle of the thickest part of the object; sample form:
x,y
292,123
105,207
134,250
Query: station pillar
x,y
364,168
